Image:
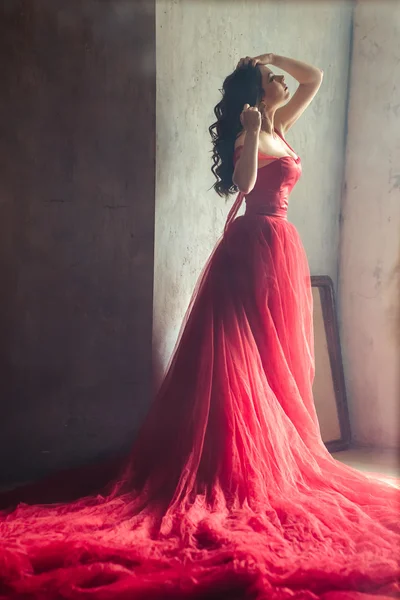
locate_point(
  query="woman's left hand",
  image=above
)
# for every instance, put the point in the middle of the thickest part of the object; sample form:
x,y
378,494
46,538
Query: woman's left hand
x,y
246,61
263,59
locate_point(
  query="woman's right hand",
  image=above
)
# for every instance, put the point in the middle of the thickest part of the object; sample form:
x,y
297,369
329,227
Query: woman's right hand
x,y
251,119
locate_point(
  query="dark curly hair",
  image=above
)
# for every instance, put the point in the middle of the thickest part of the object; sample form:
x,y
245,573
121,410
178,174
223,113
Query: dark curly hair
x,y
243,86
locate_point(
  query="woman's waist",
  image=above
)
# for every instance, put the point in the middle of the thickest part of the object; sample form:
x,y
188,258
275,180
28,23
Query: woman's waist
x,y
274,207
267,211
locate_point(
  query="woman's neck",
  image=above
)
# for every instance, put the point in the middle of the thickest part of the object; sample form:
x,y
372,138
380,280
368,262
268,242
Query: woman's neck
x,y
268,121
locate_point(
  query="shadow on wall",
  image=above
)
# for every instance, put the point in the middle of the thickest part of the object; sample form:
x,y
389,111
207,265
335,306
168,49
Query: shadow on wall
x,y
393,316
167,157
77,159
393,312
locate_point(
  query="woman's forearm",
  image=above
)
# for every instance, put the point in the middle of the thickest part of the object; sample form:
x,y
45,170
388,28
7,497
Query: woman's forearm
x,y
303,72
245,174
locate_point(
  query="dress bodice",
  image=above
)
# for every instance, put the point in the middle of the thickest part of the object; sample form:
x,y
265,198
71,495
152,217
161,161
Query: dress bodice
x,y
275,181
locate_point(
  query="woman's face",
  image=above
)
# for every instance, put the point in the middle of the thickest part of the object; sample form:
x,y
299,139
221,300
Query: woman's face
x,y
275,89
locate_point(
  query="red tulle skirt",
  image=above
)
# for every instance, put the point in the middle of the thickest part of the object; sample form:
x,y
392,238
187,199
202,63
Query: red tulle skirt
x,y
228,492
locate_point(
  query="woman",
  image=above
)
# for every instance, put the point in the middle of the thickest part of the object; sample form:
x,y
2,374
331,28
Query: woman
x,y
229,491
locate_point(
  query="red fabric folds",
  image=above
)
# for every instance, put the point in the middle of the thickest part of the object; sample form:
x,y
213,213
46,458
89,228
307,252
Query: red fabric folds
x,y
229,491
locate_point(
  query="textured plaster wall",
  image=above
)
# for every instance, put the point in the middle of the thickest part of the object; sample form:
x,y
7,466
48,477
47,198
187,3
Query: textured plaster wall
x,y
198,45
369,284
77,203
77,121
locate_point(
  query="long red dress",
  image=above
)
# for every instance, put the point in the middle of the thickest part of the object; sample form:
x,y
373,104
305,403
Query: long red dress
x,y
229,492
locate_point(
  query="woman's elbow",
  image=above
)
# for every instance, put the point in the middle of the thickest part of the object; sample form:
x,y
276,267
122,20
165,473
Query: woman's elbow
x,y
245,190
243,187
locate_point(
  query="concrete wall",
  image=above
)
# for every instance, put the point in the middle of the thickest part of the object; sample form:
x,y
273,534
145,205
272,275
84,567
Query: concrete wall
x,y
370,251
198,45
77,120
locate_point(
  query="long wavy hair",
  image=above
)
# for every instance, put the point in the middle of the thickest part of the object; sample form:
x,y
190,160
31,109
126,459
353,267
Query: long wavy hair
x,y
243,86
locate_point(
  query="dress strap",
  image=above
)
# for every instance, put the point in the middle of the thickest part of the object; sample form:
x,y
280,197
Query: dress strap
x,y
239,198
234,210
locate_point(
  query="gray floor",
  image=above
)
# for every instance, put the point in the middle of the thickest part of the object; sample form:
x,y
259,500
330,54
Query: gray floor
x,y
373,460
384,462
